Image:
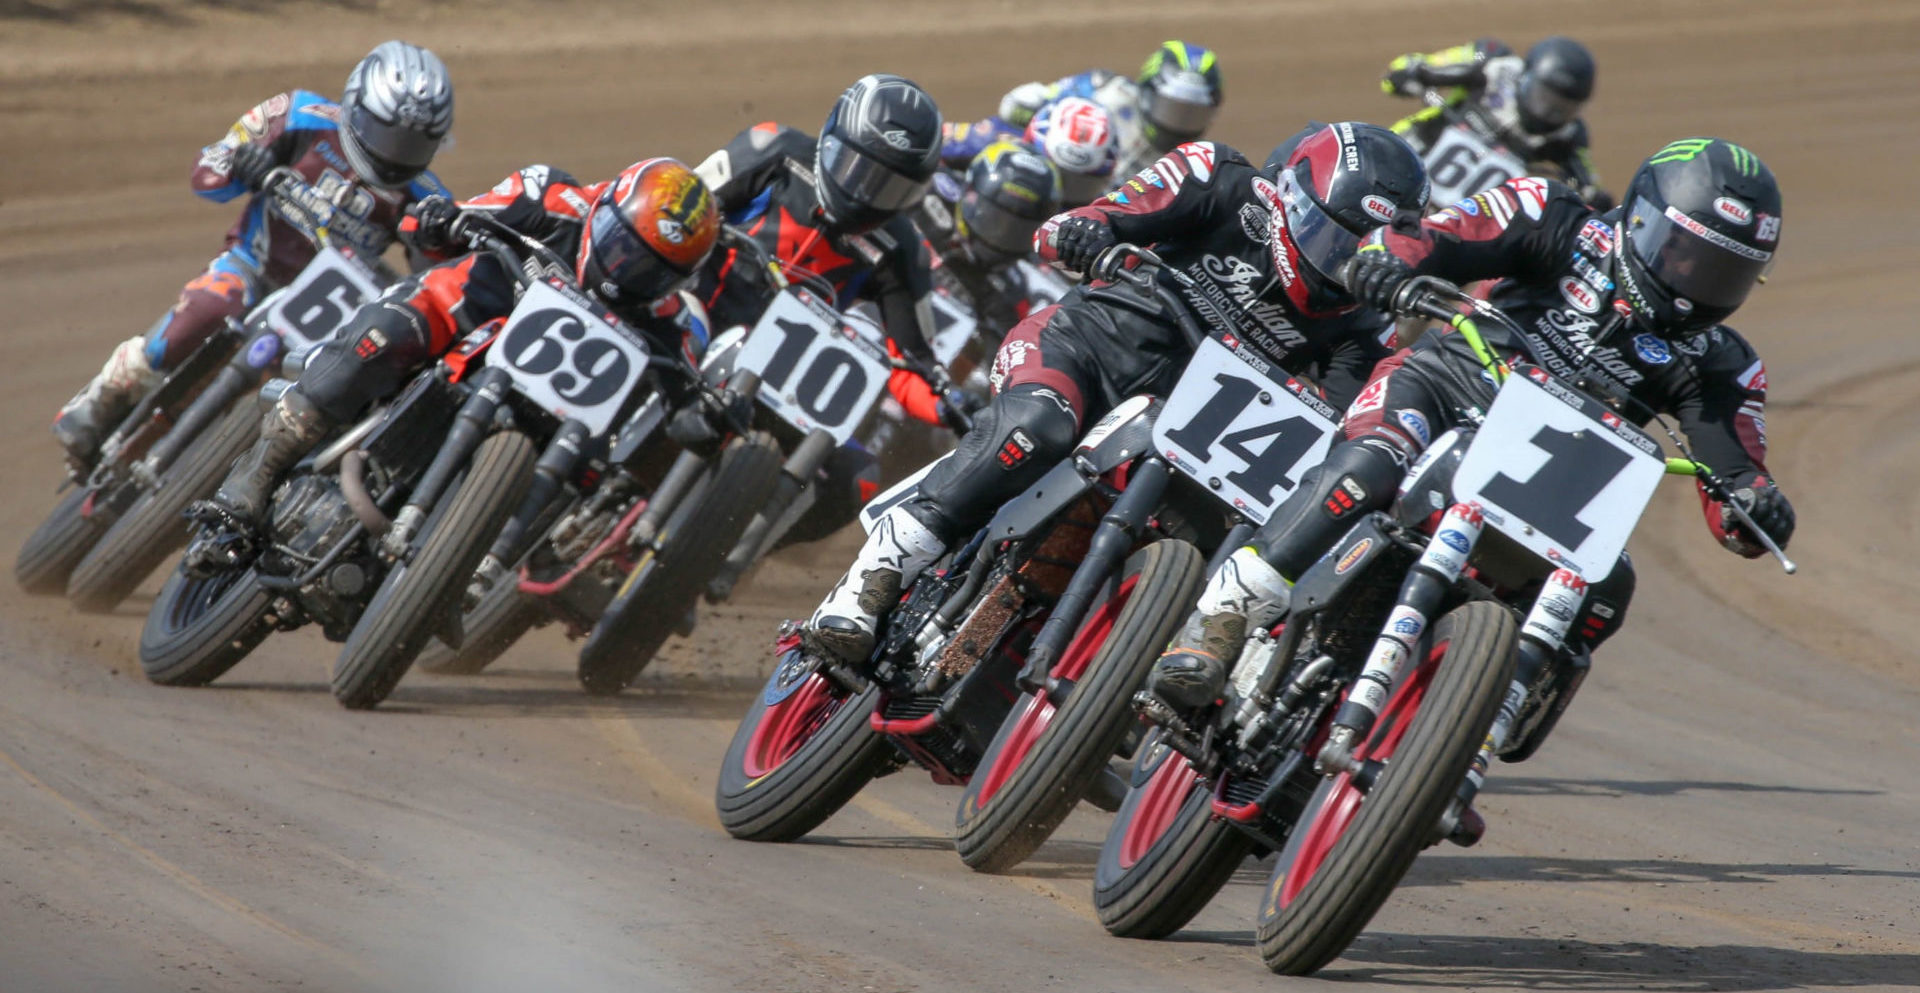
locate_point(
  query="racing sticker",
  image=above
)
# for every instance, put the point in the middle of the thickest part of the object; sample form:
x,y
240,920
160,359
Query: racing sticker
x,y
1652,350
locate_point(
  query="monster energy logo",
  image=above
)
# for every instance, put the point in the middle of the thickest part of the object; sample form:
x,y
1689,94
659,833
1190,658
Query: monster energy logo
x,y
1687,149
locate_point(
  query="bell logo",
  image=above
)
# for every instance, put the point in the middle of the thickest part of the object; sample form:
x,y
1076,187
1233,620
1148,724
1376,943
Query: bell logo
x,y
1733,210
1377,207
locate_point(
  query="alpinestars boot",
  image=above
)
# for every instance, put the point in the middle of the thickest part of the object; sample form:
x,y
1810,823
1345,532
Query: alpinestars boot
x,y
287,433
897,549
1245,593
84,423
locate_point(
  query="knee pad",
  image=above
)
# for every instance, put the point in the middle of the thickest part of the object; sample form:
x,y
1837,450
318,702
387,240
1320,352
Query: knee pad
x,y
381,345
1015,440
1357,477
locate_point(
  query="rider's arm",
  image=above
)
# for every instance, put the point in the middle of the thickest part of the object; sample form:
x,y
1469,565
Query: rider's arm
x,y
265,124
1181,192
1462,66
539,201
738,172
1519,228
903,286
1722,409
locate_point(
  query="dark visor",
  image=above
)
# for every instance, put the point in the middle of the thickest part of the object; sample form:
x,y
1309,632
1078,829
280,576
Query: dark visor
x,y
632,265
867,181
394,146
1541,103
1323,243
996,228
1692,260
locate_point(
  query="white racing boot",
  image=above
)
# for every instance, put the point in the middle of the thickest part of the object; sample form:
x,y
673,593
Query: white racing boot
x,y
1245,593
896,550
84,423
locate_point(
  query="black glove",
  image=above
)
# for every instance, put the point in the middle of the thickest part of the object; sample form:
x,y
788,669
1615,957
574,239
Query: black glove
x,y
250,165
1078,241
1375,276
1768,507
700,426
433,221
1597,198
957,408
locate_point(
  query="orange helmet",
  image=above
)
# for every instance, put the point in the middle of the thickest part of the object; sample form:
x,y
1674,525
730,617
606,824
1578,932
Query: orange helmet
x,y
647,235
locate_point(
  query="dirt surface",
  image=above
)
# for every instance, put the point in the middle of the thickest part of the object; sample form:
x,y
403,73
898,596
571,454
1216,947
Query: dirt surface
x,y
1730,806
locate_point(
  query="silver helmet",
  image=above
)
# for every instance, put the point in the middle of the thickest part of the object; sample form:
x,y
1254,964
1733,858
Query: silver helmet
x,y
396,110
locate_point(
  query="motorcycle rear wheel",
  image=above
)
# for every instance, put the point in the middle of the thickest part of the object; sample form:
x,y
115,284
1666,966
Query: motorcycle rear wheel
x,y
50,553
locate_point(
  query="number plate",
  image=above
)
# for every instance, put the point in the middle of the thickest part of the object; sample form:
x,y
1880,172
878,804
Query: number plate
x,y
817,368
1461,163
953,327
1558,472
321,298
1244,431
568,357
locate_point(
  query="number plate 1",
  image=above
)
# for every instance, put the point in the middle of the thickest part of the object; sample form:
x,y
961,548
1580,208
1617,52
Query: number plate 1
x,y
1556,471
1461,163
321,298
566,357
1241,432
816,371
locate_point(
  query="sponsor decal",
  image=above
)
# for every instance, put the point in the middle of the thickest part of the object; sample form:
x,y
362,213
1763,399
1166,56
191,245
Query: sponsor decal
x,y
1268,193
1377,207
1652,350
1255,223
1454,540
1199,156
1252,358
1012,355
573,199
1596,237
1409,626
1610,419
1754,379
1470,206
1372,398
1769,229
1416,425
1353,488
1579,294
1018,446
672,231
1237,282
370,344
897,139
1353,556
1532,196
1349,152
263,350
1733,210
1472,513
1589,272
1715,238
1228,339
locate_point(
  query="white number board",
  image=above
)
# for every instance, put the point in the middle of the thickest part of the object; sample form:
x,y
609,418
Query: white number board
x,y
1461,163
321,298
566,357
1240,430
817,369
1557,472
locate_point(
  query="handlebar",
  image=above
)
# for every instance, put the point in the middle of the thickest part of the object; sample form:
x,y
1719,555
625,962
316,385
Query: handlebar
x,y
1110,266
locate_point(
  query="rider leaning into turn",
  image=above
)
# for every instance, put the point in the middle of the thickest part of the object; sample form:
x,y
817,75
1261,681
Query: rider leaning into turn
x,y
368,154
979,226
1247,251
1171,101
1075,134
1627,305
634,243
1532,103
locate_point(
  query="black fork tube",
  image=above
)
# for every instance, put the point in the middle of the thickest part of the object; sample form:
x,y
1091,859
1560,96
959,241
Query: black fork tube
x,y
1115,536
795,474
555,466
469,427
233,379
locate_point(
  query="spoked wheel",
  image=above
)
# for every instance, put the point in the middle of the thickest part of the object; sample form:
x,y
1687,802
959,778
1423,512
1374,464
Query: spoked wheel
x,y
50,553
200,628
803,750
1350,849
1045,756
1166,855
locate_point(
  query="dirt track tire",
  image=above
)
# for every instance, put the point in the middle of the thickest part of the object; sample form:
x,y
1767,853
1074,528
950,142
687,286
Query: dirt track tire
x,y
1166,855
152,530
502,616
1042,760
414,597
50,553
1342,862
796,760
693,544
200,628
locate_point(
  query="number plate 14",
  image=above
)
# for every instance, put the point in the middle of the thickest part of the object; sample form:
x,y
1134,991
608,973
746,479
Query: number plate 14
x,y
1240,431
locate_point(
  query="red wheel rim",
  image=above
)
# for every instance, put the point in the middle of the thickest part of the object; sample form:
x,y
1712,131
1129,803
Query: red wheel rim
x,y
1160,803
1034,711
1342,805
789,724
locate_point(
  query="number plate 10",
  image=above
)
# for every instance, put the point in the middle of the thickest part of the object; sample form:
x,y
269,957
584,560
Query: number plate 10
x,y
1240,431
816,371
567,358
321,298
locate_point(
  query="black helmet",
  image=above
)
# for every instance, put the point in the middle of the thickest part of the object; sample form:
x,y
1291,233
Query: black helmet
x,y
877,152
1556,83
1180,89
1010,192
1699,227
395,111
1334,183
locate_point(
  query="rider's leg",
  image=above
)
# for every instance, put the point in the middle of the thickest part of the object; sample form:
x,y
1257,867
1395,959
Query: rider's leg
x,y
226,289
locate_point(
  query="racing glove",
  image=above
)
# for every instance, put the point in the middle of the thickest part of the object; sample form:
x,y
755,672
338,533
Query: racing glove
x,y
1077,241
250,165
433,218
1375,276
1768,507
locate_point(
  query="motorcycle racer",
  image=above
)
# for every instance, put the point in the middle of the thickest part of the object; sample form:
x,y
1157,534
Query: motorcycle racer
x,y
1626,305
1246,250
1073,133
368,154
634,243
1172,100
1531,103
981,225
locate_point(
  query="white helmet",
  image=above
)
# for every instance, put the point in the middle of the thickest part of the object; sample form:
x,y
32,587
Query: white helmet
x,y
395,111
1076,135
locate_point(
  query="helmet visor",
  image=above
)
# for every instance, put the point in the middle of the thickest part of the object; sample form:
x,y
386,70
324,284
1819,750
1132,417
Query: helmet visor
x,y
399,152
1322,242
1179,109
1541,103
638,272
1692,260
867,181
997,230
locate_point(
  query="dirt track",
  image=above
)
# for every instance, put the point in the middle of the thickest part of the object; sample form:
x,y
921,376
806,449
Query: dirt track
x,y
1731,805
